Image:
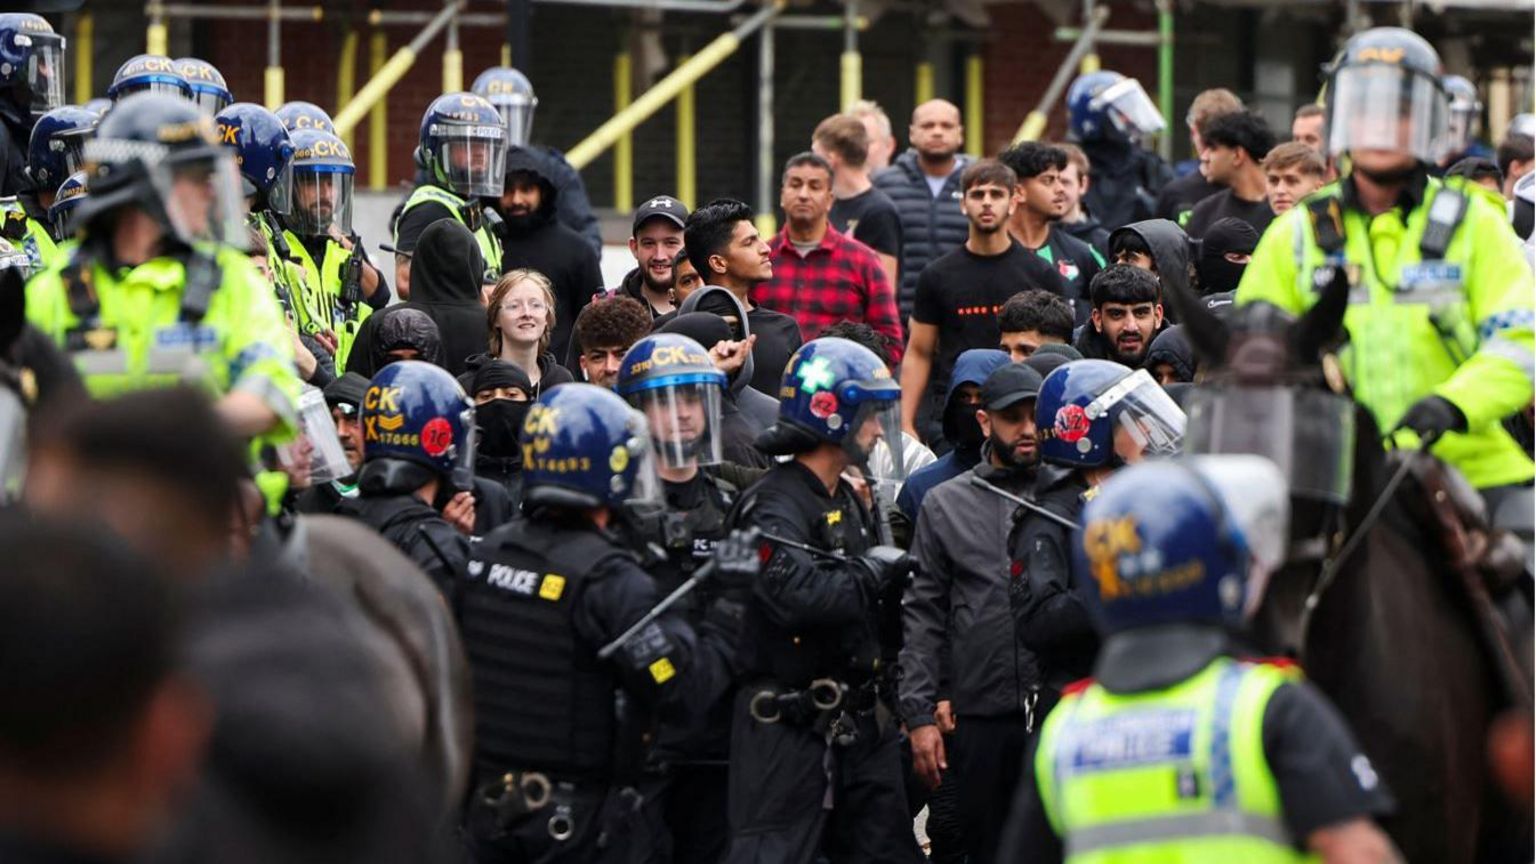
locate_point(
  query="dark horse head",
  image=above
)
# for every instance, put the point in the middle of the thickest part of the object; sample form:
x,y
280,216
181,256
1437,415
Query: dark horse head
x,y
1391,638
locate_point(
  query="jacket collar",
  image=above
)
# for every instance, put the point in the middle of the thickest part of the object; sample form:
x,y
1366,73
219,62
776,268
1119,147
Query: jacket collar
x,y
1407,201
781,242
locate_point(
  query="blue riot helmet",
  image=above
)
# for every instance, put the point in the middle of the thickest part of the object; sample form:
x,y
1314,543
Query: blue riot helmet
x,y
57,146
71,194
151,73
1523,124
416,412
838,392
208,88
1385,93
1466,109
159,153
98,106
263,153
31,64
323,175
1184,541
1107,106
511,93
1095,412
305,115
463,145
674,383
583,447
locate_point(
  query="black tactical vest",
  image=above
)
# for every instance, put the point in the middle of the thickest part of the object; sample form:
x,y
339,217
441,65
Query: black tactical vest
x,y
543,701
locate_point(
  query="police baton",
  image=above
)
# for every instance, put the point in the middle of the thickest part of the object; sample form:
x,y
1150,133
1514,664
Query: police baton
x,y
658,610
1031,506
803,547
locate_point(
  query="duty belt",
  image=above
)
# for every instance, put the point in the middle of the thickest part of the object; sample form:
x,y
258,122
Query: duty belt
x,y
826,707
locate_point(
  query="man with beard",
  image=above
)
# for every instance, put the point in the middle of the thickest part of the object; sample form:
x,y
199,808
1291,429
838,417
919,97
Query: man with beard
x,y
1127,316
656,241
960,294
536,240
959,640
345,398
961,428
1042,202
924,183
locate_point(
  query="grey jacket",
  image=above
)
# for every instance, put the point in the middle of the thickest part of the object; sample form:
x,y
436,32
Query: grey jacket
x,y
957,605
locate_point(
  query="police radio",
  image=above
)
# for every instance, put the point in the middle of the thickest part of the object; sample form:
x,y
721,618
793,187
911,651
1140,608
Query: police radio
x,y
352,275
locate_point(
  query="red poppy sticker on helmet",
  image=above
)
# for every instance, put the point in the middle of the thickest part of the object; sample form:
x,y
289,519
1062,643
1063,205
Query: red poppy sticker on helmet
x,y
823,404
1072,423
436,436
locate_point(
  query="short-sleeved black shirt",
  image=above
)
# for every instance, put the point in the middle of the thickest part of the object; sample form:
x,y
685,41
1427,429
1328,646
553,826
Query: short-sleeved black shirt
x,y
870,218
1078,263
1224,204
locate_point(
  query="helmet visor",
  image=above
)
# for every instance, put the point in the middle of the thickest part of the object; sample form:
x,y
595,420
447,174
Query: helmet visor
x,y
72,149
61,211
1382,107
471,160
168,86
280,193
1309,434
211,102
202,198
645,491
13,444
322,200
517,115
45,74
874,441
327,460
462,473
1131,109
684,420
1146,421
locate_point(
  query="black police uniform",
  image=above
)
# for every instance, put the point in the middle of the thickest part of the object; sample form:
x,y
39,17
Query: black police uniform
x,y
815,783
385,502
1049,613
536,601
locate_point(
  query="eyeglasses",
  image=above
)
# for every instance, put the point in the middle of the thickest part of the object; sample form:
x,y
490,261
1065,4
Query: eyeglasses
x,y
520,305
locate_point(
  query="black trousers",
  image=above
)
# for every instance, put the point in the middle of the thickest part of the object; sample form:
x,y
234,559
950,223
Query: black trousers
x,y
794,799
694,808
987,755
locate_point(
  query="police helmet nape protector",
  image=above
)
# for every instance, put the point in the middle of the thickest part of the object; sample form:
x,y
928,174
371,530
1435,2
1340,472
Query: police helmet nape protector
x,y
1386,106
1129,107
328,461
1144,416
470,158
684,422
1308,434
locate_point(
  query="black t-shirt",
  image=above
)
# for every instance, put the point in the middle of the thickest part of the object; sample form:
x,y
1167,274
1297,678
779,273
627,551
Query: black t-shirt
x,y
778,337
1078,263
415,220
1322,776
961,292
870,218
1180,196
1224,204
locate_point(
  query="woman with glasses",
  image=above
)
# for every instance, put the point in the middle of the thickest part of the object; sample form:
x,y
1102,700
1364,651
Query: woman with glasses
x,y
520,318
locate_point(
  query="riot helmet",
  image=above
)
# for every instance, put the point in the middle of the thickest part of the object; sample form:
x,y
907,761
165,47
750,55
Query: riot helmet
x,y
463,145
1107,106
415,412
323,174
31,64
305,115
153,73
584,447
57,146
839,392
71,194
511,93
1096,412
208,88
263,153
673,381
1385,93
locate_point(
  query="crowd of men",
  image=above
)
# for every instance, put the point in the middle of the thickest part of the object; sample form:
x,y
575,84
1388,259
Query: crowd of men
x,y
749,558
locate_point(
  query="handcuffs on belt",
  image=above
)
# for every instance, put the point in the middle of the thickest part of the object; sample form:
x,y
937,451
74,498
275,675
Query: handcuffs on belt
x,y
817,706
521,793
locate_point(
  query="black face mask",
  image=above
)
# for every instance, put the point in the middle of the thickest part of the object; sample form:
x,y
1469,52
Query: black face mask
x,y
961,420
1218,275
500,421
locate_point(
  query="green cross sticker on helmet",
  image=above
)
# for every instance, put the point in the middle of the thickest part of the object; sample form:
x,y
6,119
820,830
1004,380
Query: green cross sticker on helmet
x,y
815,375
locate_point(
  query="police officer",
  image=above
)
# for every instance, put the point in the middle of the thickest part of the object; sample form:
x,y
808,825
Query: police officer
x,y
512,94
1093,417
72,193
155,293
53,153
418,466
540,598
264,154
31,85
1176,751
1111,116
1466,111
463,147
207,84
672,380
154,73
341,285
815,760
298,115
1440,309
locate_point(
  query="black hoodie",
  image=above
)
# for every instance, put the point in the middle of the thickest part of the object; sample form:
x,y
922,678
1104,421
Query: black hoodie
x,y
446,271
1170,252
540,242
402,325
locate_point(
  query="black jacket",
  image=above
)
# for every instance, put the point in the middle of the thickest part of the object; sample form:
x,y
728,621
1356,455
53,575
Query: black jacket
x,y
416,529
401,324
930,226
1171,254
1126,182
446,271
1090,231
572,206
1048,608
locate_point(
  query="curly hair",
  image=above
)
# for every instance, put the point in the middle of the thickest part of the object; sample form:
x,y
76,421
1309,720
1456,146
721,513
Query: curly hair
x,y
504,286
610,322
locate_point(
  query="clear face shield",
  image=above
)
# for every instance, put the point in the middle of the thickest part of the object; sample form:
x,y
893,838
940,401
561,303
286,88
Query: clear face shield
x,y
1308,434
1461,125
13,444
210,102
517,115
280,193
462,475
1383,107
45,72
327,461
1147,422
645,497
202,198
472,160
1131,109
73,148
322,200
874,443
1255,494
684,422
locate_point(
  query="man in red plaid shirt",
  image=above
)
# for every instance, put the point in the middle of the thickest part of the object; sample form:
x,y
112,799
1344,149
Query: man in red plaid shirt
x,y
821,277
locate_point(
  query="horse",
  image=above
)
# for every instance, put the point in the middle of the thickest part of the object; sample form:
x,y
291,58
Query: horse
x,y
1378,608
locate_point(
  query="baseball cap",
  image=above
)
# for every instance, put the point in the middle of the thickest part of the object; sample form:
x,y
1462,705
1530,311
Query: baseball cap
x,y
661,205
1009,385
349,389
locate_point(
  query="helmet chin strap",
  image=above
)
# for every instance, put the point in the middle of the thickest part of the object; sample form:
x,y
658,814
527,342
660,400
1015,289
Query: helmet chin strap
x,y
1391,177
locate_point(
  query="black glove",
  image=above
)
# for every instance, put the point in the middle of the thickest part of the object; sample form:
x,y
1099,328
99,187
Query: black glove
x,y
1432,417
886,567
736,559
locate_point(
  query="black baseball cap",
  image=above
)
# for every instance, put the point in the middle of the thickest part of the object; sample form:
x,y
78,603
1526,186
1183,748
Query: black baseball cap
x,y
1009,385
349,389
660,206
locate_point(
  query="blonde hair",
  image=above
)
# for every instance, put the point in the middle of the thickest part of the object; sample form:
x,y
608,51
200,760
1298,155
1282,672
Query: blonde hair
x,y
1209,104
504,286
871,108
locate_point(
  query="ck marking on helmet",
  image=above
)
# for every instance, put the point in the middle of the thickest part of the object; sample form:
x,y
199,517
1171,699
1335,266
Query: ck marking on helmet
x,y
815,375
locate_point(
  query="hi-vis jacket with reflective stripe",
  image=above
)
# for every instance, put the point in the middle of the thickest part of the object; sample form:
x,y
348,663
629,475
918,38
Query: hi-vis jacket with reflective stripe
x,y
490,244
1460,328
